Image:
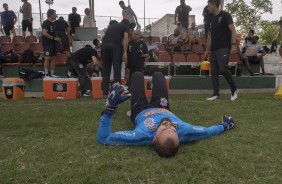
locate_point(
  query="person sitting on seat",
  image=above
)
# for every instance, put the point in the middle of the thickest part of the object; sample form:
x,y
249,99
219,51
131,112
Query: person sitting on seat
x,y
254,54
174,42
152,49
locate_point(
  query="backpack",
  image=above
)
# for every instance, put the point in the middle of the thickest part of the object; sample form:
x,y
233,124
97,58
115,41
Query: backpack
x,y
27,73
28,56
10,57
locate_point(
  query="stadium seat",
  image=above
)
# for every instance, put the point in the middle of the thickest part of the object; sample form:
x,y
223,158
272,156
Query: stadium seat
x,y
164,57
17,39
235,58
5,39
178,57
193,57
203,39
156,39
21,47
145,39
61,59
161,47
7,47
197,48
30,39
37,48
164,39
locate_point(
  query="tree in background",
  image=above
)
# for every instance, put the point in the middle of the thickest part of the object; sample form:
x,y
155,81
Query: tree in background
x,y
268,31
248,16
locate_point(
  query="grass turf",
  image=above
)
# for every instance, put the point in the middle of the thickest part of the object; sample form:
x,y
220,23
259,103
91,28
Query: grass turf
x,y
54,142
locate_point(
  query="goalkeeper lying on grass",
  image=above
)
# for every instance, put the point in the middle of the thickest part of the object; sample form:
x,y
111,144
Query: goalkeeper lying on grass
x,y
154,123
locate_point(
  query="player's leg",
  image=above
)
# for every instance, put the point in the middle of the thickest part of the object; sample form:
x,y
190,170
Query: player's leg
x,y
138,97
280,52
159,92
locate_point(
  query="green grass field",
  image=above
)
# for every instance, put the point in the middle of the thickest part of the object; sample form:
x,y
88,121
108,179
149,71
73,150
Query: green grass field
x,y
53,142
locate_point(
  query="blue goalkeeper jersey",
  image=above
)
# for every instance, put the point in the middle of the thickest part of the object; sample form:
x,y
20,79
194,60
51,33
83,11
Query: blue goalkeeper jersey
x,y
146,126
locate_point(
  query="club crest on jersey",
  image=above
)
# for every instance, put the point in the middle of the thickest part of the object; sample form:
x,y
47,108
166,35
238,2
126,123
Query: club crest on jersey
x,y
150,123
163,102
219,19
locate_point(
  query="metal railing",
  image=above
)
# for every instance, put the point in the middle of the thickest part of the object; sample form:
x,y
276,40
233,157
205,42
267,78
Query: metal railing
x,y
101,21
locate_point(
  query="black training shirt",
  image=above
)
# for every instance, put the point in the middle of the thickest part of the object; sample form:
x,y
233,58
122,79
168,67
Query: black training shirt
x,y
74,19
115,33
220,32
51,30
182,13
134,60
61,26
84,55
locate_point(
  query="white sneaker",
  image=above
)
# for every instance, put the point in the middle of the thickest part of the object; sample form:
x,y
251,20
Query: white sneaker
x,y
234,96
215,97
54,76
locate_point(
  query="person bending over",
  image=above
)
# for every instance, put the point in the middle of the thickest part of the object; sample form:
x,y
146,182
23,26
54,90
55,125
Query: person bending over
x,y
154,123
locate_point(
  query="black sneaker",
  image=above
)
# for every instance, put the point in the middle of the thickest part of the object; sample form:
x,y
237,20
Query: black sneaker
x,y
86,93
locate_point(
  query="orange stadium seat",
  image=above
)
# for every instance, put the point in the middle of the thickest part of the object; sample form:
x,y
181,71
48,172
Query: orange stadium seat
x,y
164,57
30,39
5,39
37,48
17,39
156,39
61,59
164,39
21,47
192,57
178,57
7,47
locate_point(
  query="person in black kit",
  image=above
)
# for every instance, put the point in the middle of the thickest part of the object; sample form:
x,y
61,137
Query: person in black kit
x,y
222,34
74,20
49,42
79,62
137,52
62,28
207,16
114,51
182,12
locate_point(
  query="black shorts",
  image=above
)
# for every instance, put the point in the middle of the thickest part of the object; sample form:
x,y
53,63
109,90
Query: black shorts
x,y
50,50
8,30
253,59
26,25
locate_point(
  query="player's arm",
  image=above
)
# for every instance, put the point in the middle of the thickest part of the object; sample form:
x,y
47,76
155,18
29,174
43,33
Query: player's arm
x,y
135,17
125,46
145,51
15,18
45,34
105,136
188,133
96,62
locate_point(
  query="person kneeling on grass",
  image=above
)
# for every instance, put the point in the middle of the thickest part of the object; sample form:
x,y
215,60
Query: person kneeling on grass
x,y
154,123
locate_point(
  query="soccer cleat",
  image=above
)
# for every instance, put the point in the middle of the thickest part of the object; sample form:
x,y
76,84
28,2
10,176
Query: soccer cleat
x,y
234,95
227,122
214,97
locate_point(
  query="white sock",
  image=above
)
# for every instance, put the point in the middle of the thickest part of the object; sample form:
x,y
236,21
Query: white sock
x,y
46,71
52,72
